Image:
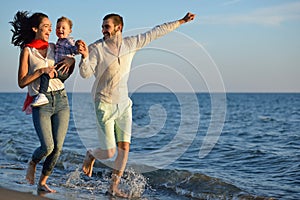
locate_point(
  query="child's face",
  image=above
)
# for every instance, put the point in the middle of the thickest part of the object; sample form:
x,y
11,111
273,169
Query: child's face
x,y
63,29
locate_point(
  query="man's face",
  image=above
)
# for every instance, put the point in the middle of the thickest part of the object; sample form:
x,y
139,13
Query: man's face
x,y
109,29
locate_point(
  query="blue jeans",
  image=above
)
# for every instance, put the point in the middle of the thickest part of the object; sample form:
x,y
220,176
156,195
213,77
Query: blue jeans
x,y
51,123
44,78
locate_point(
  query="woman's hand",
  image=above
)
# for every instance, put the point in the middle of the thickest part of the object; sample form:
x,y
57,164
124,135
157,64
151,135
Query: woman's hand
x,y
49,70
66,65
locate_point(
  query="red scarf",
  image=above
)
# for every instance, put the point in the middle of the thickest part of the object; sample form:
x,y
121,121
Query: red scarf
x,y
38,44
27,104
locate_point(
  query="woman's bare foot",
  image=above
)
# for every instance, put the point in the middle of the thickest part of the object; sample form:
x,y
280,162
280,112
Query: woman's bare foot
x,y
45,188
30,174
88,163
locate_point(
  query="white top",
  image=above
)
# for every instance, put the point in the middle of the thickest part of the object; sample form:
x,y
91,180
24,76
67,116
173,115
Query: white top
x,y
111,70
37,61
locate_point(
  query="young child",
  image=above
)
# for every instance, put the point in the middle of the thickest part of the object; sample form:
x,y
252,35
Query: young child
x,y
65,46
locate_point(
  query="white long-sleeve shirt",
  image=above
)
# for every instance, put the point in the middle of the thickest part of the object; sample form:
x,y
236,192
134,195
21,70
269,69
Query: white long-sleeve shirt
x,y
112,71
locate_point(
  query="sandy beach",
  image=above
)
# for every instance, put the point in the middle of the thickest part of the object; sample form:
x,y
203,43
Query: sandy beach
x,y
16,195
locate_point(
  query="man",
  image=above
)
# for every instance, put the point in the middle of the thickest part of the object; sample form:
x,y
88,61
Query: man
x,y
109,60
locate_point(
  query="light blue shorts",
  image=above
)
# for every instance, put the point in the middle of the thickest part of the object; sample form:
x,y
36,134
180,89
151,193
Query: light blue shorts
x,y
114,123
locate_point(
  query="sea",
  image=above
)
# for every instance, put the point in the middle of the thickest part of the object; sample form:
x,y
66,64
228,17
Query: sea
x,y
184,146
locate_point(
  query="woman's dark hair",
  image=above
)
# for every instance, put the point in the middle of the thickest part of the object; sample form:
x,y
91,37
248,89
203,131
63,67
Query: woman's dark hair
x,y
22,27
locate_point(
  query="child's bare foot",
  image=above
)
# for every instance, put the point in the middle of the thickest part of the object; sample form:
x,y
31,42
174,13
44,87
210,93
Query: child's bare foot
x,y
45,188
88,163
30,174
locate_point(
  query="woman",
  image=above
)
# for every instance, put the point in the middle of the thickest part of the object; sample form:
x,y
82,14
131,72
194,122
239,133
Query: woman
x,y
31,34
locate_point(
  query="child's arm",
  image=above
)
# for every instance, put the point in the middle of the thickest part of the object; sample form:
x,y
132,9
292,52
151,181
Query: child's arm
x,y
73,48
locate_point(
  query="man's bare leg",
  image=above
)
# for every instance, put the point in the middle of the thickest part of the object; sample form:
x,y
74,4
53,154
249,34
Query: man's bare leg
x,y
120,164
90,157
88,163
30,174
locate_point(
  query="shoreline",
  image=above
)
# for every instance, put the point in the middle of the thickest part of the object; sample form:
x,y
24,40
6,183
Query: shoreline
x,y
17,195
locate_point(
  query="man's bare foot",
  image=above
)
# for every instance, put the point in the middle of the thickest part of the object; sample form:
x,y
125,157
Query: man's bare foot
x,y
30,174
45,188
88,163
117,193
114,190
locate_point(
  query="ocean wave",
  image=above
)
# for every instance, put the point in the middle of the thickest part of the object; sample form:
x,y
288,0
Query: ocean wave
x,y
173,182
196,185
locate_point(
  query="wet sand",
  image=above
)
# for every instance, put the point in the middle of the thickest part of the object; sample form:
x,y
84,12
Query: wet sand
x,y
16,195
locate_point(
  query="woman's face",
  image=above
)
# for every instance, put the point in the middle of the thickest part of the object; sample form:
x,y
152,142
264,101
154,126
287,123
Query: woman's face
x,y
44,30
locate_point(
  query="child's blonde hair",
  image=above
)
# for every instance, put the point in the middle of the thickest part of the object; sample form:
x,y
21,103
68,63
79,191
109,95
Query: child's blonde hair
x,y
65,19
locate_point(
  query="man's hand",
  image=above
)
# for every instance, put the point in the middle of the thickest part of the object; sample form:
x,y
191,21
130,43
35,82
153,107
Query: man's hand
x,y
187,18
82,48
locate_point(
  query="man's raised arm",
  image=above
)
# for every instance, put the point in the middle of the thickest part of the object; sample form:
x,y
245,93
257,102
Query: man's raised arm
x,y
187,18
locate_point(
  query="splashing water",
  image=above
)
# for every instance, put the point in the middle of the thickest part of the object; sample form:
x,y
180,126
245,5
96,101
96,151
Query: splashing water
x,y
73,179
78,181
134,183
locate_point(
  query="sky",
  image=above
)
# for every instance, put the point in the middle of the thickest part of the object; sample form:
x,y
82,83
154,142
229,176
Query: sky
x,y
231,46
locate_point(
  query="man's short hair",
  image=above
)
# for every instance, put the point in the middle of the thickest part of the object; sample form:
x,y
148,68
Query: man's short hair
x,y
117,19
